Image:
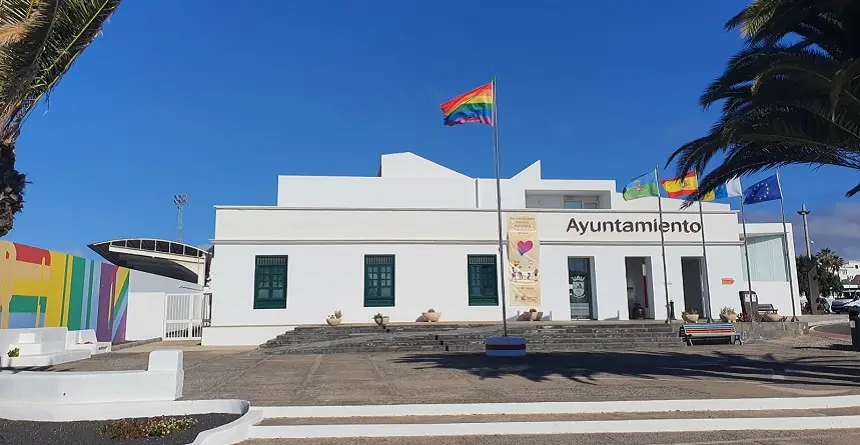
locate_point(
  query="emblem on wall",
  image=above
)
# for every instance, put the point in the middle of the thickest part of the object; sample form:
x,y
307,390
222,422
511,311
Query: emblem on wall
x,y
577,286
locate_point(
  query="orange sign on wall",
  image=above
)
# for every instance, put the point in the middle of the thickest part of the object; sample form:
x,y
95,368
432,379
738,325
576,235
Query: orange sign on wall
x,y
728,281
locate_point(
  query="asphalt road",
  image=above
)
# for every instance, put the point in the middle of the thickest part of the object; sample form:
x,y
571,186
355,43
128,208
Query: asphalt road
x,y
837,328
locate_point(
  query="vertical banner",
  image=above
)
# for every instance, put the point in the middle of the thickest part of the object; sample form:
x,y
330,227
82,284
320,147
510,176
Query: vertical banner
x,y
523,259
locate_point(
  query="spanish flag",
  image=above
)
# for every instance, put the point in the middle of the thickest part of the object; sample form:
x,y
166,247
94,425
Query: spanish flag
x,y
680,187
684,186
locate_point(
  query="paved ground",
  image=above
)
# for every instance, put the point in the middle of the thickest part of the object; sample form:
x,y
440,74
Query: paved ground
x,y
836,437
836,328
808,366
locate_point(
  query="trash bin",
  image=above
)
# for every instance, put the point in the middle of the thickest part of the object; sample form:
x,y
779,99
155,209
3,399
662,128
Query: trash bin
x,y
854,326
749,303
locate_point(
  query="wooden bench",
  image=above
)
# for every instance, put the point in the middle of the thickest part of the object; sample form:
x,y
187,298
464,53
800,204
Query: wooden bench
x,y
690,331
767,308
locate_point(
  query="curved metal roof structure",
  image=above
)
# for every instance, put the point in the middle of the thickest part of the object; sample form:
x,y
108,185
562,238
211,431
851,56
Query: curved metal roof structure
x,y
159,257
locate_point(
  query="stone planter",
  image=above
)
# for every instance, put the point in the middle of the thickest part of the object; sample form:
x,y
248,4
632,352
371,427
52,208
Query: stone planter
x,y
729,318
690,318
773,318
432,317
333,321
382,321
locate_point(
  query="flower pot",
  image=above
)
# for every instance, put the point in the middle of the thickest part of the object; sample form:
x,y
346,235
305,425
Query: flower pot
x,y
382,321
771,317
690,318
729,318
333,321
432,317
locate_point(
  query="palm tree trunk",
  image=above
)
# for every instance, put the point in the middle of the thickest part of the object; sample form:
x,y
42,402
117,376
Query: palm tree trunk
x,y
12,185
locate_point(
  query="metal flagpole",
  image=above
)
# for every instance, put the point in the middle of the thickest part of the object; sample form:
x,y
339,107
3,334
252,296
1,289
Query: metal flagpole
x,y
706,298
502,270
785,248
747,258
662,243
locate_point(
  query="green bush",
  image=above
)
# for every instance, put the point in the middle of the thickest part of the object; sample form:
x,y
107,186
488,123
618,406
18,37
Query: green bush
x,y
126,429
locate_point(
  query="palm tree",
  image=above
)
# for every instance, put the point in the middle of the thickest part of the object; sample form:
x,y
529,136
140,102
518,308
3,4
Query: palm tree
x,y
39,41
791,96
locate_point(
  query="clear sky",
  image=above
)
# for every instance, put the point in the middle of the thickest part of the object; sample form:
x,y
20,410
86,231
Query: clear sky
x,y
215,98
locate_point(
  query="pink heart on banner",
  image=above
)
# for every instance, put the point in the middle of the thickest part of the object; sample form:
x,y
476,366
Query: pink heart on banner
x,y
524,246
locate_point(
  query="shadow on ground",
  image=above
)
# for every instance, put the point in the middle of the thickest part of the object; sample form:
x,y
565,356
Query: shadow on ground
x,y
584,366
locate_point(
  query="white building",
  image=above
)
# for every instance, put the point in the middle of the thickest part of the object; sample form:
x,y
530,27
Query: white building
x,y
849,270
417,226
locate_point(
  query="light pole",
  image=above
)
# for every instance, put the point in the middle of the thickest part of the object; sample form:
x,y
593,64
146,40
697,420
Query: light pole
x,y
180,200
803,212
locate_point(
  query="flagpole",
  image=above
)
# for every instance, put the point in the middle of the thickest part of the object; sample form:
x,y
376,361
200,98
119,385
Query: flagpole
x,y
785,248
747,258
706,298
502,269
662,244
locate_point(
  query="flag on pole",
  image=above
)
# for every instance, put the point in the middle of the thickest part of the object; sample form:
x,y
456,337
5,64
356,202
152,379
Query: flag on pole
x,y
476,106
729,189
767,189
681,186
641,187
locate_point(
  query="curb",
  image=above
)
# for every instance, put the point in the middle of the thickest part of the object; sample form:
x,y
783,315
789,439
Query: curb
x,y
827,335
132,344
570,427
548,408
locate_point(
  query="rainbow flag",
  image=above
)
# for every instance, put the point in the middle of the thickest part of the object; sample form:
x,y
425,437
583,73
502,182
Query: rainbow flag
x,y
476,106
683,186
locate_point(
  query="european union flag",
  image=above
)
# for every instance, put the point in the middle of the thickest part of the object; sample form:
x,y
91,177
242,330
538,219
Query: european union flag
x,y
765,190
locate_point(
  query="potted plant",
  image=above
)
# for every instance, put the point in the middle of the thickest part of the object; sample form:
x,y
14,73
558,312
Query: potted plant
x,y
431,315
772,317
728,314
691,316
335,318
380,319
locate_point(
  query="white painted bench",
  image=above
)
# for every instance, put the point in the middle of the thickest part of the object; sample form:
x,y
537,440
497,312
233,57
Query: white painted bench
x,y
161,381
39,347
86,339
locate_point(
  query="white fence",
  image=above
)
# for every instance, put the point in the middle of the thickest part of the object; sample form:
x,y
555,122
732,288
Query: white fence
x,y
183,316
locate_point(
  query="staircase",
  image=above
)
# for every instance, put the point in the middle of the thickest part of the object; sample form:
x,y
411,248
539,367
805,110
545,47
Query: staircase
x,y
438,337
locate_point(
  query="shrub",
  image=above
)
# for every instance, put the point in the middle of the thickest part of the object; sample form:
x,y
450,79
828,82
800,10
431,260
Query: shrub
x,y
126,429
13,352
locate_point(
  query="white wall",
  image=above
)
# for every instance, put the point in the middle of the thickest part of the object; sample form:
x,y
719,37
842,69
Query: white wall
x,y
145,315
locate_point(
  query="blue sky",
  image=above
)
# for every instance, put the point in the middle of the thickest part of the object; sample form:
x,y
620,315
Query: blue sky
x,y
215,100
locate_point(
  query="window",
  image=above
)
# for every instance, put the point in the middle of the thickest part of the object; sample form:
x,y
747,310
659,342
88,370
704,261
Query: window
x,y
270,282
378,280
483,282
578,202
767,260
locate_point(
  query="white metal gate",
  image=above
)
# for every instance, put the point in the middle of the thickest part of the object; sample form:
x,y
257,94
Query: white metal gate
x,y
183,316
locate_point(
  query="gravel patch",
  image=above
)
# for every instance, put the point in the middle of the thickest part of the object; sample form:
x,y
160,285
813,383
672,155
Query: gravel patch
x,y
15,432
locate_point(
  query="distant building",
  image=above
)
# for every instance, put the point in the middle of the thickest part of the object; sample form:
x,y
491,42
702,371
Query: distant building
x,y
850,270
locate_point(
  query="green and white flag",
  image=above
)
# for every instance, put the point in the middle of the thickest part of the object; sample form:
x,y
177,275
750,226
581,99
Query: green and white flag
x,y
642,187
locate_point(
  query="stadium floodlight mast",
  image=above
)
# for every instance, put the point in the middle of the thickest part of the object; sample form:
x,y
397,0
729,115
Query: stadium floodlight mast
x,y
180,200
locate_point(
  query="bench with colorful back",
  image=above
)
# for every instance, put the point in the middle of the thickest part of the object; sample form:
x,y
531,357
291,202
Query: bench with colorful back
x,y
691,331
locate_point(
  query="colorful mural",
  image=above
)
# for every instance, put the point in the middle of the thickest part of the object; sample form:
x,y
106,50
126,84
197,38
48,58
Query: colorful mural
x,y
41,288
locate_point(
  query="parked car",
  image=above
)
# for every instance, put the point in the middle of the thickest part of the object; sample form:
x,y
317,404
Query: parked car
x,y
839,304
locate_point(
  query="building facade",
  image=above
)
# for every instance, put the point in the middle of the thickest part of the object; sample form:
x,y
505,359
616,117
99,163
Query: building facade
x,y
419,235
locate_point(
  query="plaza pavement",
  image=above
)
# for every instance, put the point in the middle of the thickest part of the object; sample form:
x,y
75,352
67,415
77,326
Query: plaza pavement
x,y
803,366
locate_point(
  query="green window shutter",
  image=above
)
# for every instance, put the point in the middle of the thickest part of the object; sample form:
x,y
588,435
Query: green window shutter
x,y
483,281
378,280
270,282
